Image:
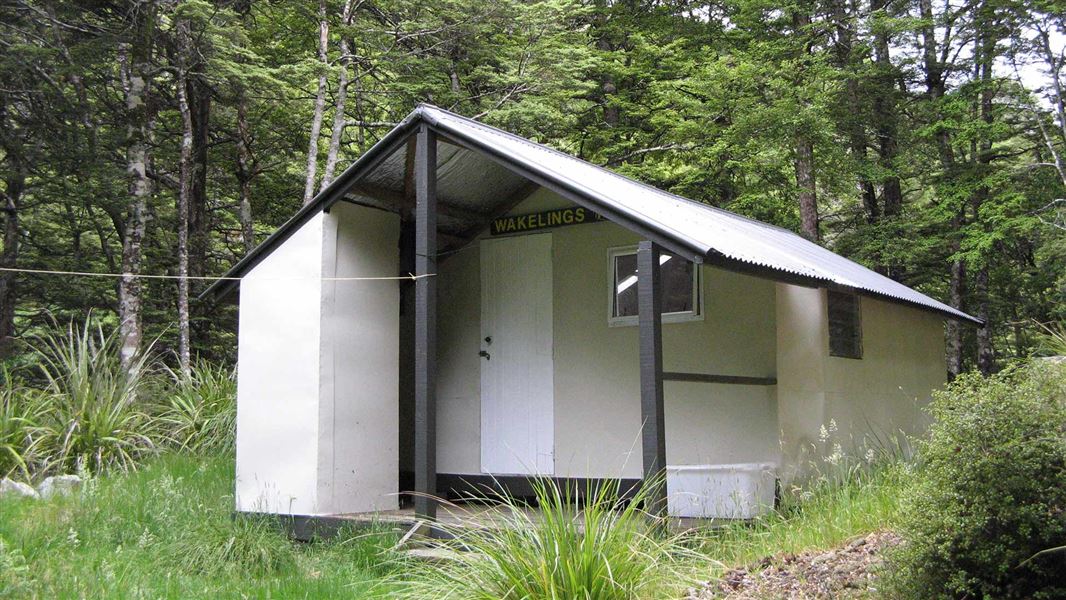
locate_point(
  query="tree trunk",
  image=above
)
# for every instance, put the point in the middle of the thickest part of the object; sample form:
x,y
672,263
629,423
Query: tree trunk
x,y
986,357
934,82
804,153
14,184
198,95
884,109
985,56
320,102
342,96
957,287
245,172
136,67
854,117
808,199
608,87
186,176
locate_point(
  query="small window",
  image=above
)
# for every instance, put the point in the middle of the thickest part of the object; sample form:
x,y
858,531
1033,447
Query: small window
x,y
845,327
680,287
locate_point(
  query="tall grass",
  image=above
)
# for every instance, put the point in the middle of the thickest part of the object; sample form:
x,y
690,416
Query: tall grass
x,y
1053,338
605,549
22,413
93,416
86,412
826,513
199,411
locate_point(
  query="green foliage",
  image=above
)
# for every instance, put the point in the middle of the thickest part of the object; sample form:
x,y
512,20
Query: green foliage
x,y
167,531
94,420
199,409
706,100
14,572
603,550
990,491
87,413
22,413
1052,341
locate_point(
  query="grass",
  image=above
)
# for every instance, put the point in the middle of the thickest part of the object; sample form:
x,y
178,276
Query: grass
x,y
75,408
605,549
165,531
199,411
821,517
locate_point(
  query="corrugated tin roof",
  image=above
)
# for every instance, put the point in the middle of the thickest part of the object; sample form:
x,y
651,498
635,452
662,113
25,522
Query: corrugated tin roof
x,y
706,231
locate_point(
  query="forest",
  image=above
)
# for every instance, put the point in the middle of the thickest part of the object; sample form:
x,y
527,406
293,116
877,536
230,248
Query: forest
x,y
147,138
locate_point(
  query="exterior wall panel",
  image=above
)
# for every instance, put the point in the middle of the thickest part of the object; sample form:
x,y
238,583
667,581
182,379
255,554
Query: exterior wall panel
x,y
862,404
278,378
359,408
317,399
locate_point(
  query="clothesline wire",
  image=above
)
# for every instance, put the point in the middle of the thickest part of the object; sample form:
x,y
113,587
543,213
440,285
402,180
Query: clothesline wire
x,y
408,277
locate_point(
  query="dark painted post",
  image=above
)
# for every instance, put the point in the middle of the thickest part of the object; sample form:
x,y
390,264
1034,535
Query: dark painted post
x,y
426,323
650,308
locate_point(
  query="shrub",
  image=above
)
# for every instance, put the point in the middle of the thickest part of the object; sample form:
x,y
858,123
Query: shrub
x,y
990,492
199,413
603,550
94,418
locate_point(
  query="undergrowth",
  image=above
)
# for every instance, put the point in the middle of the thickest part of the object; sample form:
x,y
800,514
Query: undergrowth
x,y
73,407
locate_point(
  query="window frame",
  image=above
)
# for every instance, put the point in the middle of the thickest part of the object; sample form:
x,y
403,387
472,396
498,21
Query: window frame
x,y
668,317
858,324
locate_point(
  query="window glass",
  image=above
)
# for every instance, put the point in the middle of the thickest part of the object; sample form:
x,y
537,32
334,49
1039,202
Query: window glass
x,y
678,285
845,328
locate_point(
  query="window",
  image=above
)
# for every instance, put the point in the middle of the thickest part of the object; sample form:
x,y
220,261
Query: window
x,y
680,287
845,327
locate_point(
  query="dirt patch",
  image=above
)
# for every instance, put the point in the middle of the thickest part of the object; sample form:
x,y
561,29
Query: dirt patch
x,y
846,572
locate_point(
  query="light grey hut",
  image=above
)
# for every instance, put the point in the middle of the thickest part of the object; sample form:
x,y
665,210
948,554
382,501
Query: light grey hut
x,y
566,322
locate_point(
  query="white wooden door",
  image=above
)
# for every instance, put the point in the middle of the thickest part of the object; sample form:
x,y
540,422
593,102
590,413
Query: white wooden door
x,y
517,397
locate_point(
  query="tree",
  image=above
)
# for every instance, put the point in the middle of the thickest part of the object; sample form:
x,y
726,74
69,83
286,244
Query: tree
x,y
137,71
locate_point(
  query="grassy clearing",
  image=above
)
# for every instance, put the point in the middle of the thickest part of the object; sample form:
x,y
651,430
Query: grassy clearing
x,y
165,531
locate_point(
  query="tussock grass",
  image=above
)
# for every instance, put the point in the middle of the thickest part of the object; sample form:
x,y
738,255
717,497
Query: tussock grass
x,y
199,409
608,549
22,415
602,548
93,420
86,413
166,531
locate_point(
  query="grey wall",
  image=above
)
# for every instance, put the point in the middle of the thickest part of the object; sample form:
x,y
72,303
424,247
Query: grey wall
x,y
597,408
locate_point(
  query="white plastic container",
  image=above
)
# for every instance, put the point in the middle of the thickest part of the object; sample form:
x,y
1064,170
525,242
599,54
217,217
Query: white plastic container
x,y
733,491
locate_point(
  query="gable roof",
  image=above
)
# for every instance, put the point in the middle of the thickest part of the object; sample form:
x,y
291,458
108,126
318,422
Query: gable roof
x,y
697,231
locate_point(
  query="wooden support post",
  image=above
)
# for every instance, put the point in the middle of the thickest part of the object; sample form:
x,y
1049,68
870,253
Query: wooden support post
x,y
650,310
426,324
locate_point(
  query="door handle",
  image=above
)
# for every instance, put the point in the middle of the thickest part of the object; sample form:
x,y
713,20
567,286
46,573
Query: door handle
x,y
485,355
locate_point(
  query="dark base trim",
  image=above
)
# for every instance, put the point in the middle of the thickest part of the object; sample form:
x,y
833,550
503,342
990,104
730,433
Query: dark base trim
x,y
307,528
458,486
